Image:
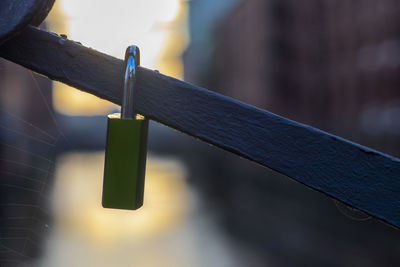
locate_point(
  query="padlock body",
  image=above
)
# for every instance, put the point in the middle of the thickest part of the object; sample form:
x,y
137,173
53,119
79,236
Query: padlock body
x,y
125,163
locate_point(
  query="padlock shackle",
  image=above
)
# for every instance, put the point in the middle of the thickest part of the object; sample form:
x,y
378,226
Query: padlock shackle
x,y
132,60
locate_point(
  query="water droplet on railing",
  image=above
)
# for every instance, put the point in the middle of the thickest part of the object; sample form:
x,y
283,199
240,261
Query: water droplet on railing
x,y
350,212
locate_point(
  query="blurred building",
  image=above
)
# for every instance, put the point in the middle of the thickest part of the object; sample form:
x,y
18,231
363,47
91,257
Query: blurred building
x,y
331,64
203,16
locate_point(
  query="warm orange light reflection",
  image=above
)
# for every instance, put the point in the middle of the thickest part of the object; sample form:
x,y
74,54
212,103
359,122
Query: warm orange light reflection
x,y
77,201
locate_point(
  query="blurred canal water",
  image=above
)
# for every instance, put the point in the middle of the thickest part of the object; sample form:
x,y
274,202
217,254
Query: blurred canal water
x,y
171,229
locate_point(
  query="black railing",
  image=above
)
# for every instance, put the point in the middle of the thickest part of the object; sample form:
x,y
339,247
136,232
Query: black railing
x,y
356,175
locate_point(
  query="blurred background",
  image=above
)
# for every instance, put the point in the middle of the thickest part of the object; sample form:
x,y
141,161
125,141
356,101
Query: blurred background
x,y
330,64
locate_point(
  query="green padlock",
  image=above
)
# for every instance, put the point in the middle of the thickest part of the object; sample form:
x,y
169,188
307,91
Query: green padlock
x,y
126,148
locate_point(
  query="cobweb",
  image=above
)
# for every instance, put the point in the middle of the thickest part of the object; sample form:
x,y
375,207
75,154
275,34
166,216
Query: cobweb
x,y
29,136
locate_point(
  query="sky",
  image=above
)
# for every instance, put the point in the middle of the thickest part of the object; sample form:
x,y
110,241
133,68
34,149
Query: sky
x,y
157,27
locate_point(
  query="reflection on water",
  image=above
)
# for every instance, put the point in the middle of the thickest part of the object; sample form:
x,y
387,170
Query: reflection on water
x,y
169,230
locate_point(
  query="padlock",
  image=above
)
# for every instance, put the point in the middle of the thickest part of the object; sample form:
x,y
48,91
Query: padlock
x,y
126,147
